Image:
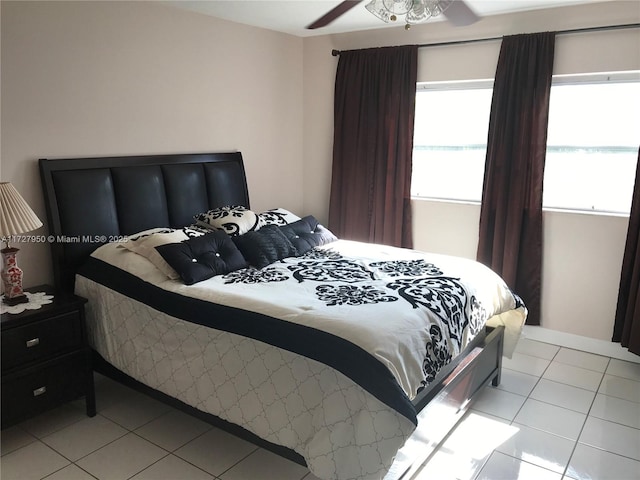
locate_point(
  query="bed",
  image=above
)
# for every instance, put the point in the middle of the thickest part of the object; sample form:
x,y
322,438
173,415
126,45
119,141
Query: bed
x,y
352,359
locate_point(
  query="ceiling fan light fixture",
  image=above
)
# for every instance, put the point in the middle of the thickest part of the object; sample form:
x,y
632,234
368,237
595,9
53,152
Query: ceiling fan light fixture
x,y
398,7
415,11
418,13
377,8
437,7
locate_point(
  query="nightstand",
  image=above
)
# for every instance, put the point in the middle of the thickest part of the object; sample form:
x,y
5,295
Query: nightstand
x,y
45,358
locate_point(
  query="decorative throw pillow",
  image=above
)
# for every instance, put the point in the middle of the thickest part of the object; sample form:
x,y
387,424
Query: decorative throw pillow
x,y
276,216
234,220
144,244
307,233
195,230
203,257
265,246
146,233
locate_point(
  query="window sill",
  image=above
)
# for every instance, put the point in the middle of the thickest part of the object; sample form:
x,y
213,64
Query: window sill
x,y
567,211
445,200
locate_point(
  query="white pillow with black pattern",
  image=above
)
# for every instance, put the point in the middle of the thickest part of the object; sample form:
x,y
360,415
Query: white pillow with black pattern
x,y
195,230
150,231
276,216
234,219
144,244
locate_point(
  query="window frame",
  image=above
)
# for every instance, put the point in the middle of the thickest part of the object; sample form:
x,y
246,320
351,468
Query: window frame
x,y
557,80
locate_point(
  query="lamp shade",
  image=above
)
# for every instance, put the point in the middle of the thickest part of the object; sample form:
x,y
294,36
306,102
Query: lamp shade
x,y
15,215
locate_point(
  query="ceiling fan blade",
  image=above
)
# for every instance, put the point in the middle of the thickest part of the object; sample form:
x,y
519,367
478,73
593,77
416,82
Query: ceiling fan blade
x,y
332,14
459,13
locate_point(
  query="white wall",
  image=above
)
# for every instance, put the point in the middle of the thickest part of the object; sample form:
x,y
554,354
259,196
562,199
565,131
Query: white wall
x,y
582,259
319,77
582,262
446,227
582,253
119,78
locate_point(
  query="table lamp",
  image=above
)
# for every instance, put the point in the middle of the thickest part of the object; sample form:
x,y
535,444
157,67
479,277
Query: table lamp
x,y
16,217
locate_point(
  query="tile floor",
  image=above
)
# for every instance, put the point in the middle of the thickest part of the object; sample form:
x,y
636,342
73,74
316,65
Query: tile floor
x,y
558,414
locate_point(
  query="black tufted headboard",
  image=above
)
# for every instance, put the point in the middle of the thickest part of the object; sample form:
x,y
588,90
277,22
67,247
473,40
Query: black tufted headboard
x,y
93,200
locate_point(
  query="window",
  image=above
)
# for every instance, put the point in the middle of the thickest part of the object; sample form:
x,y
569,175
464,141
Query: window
x,y
592,147
592,143
450,140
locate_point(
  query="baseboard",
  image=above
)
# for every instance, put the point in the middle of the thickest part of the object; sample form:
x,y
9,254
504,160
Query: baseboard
x,y
578,342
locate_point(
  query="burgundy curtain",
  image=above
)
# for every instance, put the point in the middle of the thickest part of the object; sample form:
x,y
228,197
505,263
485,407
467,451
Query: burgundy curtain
x,y
511,213
374,112
626,329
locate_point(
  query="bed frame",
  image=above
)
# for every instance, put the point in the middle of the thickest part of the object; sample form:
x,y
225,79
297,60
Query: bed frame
x,y
90,201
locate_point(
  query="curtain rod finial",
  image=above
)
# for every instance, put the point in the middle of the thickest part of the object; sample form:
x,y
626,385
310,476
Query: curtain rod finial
x,y
335,52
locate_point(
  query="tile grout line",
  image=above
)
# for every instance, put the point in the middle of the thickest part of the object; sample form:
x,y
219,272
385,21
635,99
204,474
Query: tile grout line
x,y
534,386
516,414
61,468
520,409
35,439
575,445
74,462
151,464
172,452
168,452
93,451
240,461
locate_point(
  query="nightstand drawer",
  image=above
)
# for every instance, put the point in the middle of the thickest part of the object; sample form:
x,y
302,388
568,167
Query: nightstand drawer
x,y
38,340
34,390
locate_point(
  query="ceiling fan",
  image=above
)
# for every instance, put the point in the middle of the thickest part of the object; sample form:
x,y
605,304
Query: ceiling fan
x,y
415,11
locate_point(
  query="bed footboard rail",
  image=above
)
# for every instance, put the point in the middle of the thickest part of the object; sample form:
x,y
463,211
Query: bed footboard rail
x,y
450,397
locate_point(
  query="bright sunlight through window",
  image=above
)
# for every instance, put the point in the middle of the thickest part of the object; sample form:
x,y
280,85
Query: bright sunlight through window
x,y
450,140
592,147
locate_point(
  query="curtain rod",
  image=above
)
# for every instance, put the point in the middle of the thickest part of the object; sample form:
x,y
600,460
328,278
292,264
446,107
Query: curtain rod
x,y
335,53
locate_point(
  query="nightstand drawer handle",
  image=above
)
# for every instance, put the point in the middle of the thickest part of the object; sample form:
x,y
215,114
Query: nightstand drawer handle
x,y
39,391
33,342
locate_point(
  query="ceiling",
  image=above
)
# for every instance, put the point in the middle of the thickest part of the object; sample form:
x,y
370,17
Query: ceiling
x,y
291,16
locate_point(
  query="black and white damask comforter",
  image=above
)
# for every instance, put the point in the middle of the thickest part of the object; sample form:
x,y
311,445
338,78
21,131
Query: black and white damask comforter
x,y
321,353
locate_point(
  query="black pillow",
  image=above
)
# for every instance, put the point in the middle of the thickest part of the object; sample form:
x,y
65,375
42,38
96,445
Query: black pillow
x,y
307,233
203,257
265,246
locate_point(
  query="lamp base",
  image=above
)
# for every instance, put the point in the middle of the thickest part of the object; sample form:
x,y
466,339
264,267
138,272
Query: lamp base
x,y
15,300
12,277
